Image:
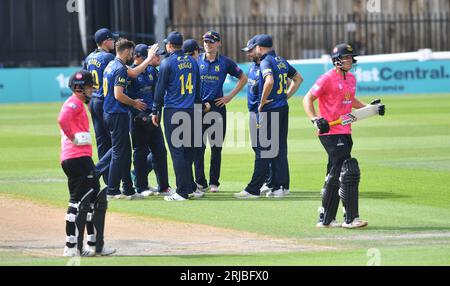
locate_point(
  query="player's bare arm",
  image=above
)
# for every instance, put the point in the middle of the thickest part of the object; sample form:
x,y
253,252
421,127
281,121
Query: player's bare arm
x,y
239,86
123,98
294,85
134,72
357,104
308,105
268,85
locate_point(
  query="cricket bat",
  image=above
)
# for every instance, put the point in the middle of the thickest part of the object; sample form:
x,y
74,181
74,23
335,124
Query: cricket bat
x,y
356,115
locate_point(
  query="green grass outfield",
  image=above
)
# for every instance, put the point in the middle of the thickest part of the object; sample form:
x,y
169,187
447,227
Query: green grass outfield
x,y
404,191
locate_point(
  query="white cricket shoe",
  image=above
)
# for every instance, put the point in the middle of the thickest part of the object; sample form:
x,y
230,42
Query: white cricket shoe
x,y
201,188
107,251
88,251
286,192
115,197
167,192
245,195
135,196
197,194
213,188
333,224
174,197
356,223
276,193
71,251
264,190
149,192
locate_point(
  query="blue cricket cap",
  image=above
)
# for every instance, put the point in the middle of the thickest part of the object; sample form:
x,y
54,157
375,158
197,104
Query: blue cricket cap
x,y
211,36
264,41
190,45
141,50
174,38
251,44
104,34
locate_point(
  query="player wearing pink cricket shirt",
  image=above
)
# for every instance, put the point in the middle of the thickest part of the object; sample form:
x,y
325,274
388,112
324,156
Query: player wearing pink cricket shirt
x,y
76,161
335,92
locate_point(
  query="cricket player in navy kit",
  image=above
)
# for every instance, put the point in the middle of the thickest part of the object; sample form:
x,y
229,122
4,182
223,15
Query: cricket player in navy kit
x,y
191,48
115,80
253,100
145,136
274,92
96,63
178,88
214,69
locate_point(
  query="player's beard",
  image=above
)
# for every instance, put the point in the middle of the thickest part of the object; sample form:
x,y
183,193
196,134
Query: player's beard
x,y
130,59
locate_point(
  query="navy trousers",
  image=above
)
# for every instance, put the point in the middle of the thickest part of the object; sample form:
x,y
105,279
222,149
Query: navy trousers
x,y
102,135
147,140
277,164
120,165
216,151
280,166
182,154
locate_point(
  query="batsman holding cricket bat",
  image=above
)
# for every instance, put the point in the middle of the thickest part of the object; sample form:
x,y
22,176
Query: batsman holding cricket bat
x,y
335,91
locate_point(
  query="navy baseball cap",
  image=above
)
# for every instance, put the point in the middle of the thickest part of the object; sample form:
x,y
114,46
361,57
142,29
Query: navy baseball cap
x,y
141,50
190,45
264,41
104,34
211,36
175,38
251,44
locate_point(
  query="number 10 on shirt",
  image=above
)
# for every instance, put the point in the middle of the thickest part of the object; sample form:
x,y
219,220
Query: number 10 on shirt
x,y
186,85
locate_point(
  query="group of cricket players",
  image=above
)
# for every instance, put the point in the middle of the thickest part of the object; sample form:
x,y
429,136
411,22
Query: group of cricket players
x,y
132,93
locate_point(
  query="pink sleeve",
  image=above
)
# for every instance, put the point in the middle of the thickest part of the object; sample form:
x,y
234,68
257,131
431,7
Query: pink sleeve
x,y
65,119
319,86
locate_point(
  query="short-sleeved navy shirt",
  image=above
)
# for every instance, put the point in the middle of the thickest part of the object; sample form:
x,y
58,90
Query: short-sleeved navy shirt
x,y
213,75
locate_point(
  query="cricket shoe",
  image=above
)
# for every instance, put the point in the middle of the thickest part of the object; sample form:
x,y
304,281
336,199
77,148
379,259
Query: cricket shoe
x,y
197,194
201,188
106,251
167,192
333,224
265,189
135,196
88,251
286,192
213,188
174,197
245,195
71,251
114,195
150,191
356,223
276,193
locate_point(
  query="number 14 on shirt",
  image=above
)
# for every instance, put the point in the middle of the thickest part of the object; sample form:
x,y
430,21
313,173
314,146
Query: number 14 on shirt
x,y
186,85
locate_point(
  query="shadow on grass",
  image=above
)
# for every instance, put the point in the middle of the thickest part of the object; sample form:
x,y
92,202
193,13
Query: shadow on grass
x,y
293,196
382,195
410,228
301,196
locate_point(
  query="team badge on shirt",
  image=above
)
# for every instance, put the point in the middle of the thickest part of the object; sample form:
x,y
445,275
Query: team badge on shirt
x,y
347,98
72,105
217,68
